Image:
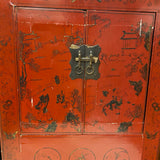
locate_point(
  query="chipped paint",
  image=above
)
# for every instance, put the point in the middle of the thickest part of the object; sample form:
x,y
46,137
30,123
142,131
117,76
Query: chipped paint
x,y
57,80
60,98
72,118
147,39
113,104
11,135
124,126
7,104
144,71
43,103
137,86
105,93
51,127
151,136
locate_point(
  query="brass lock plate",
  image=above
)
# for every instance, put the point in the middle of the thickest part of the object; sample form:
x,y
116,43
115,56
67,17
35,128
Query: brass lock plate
x,y
85,62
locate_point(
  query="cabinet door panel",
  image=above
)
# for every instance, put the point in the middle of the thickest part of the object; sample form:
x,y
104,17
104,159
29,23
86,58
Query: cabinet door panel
x,y
116,101
50,101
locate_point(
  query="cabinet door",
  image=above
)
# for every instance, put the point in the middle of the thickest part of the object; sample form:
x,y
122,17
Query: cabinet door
x,y
50,101
116,101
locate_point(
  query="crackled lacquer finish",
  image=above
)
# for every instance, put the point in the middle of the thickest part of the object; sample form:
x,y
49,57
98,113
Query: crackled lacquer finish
x,y
45,114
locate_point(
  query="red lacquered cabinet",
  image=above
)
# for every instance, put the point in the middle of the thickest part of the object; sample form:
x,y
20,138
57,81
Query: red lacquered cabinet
x,y
80,79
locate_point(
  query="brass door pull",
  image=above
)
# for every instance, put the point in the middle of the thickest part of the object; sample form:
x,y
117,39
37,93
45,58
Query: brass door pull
x,y
85,62
79,68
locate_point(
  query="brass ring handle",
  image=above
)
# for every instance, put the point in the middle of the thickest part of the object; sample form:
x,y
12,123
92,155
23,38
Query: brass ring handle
x,y
90,69
79,69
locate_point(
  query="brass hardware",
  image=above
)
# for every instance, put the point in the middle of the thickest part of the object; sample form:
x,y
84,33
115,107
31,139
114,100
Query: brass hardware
x,y
85,66
91,59
78,68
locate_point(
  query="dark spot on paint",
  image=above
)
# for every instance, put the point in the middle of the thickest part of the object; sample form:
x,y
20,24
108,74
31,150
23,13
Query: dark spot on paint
x,y
128,102
3,43
137,112
94,123
55,52
131,69
159,43
101,100
134,113
51,127
7,104
77,40
151,136
114,89
105,93
156,106
72,118
67,103
57,80
30,117
33,66
50,119
10,135
144,72
105,23
44,99
147,40
124,126
149,4
137,86
113,104
60,98
99,1
76,100
23,82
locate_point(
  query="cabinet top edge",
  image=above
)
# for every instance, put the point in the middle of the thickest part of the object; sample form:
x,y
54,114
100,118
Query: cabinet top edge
x,y
123,5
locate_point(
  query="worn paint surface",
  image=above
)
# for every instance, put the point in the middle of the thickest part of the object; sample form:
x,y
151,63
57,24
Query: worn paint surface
x,y
84,147
150,5
151,147
38,91
47,91
116,101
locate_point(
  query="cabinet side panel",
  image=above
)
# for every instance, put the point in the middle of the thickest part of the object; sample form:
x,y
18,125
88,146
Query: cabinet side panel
x,y
152,119
8,84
